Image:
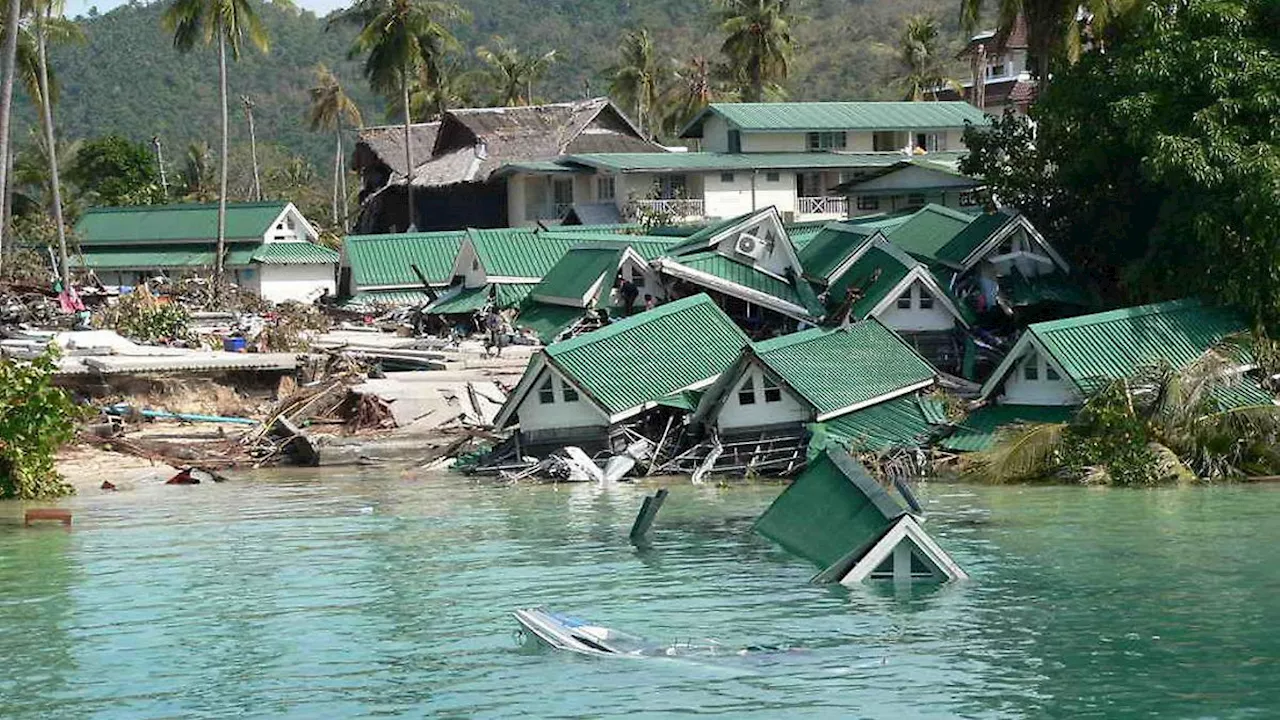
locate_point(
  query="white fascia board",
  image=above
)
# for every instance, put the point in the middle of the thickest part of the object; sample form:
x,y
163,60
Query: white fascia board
x,y
843,267
875,400
458,266
922,274
509,280
1005,231
672,267
531,372
414,286
1027,339
629,412
905,529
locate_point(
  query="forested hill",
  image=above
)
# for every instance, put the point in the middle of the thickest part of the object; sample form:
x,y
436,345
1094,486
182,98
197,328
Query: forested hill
x,y
128,79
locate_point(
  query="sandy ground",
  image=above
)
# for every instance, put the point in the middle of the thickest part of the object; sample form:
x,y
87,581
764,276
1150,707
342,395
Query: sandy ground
x,y
87,467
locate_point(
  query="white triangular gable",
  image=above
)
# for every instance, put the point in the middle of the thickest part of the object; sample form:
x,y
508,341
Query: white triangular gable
x,y
761,241
905,540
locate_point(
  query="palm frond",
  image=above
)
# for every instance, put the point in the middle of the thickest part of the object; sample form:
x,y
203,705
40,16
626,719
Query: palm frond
x,y
1020,452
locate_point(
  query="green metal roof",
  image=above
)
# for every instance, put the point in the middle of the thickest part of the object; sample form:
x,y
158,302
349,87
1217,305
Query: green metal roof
x,y
511,295
660,162
901,422
577,271
547,321
729,270
979,429
467,300
1115,344
386,260
523,253
186,255
169,223
686,400
294,253
830,247
652,354
838,369
875,274
797,116
926,233
832,508
980,228
378,299
649,247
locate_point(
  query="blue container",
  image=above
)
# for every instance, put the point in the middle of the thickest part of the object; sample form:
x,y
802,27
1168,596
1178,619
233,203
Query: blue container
x,y
233,344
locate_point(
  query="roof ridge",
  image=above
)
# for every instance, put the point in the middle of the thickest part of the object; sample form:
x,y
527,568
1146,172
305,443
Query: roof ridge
x,y
186,206
1117,314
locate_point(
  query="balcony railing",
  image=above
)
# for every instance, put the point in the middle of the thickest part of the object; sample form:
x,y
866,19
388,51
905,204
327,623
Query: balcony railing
x,y
831,205
673,207
555,211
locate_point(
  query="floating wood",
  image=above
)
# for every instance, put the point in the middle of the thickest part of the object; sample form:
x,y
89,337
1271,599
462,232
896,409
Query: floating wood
x,y
648,512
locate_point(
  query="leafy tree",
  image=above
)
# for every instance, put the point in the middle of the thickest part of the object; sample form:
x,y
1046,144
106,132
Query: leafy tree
x,y
112,170
758,41
330,106
399,36
1164,157
33,179
448,84
637,79
512,74
229,23
921,60
36,419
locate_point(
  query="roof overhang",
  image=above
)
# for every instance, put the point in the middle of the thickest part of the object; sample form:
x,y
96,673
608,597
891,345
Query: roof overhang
x,y
999,236
920,273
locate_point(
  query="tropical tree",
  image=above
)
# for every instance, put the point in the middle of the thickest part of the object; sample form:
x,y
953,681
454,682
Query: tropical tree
x,y
330,107
49,22
695,84
197,176
921,60
113,170
8,66
637,79
512,74
398,37
229,23
249,104
32,173
757,43
434,90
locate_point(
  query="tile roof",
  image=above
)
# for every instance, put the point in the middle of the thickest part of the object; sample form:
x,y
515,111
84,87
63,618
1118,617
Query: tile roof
x,y
169,223
647,356
901,422
708,161
800,116
387,260
835,370
294,253
577,271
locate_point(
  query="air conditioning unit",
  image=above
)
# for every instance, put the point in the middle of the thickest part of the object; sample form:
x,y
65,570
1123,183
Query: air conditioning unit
x,y
751,246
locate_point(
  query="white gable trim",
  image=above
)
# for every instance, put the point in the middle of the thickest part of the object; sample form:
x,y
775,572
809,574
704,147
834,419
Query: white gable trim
x,y
920,273
305,229
538,365
1027,340
856,255
623,415
907,530
875,400
1005,231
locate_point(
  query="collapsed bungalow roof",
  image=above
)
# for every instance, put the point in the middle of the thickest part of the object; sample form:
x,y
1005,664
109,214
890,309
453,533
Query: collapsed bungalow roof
x,y
957,239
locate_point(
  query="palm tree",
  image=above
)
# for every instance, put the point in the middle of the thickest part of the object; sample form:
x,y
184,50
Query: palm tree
x,y
432,92
8,66
696,83
330,106
49,22
32,174
253,146
757,41
512,74
197,175
399,36
921,62
637,79
229,23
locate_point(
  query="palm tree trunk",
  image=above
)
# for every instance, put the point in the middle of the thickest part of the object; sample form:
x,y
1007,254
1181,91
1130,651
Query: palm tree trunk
x,y
337,171
253,150
219,272
46,103
408,149
342,192
6,112
757,80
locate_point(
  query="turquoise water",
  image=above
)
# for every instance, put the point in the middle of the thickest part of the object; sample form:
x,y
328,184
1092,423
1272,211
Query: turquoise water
x,y
375,596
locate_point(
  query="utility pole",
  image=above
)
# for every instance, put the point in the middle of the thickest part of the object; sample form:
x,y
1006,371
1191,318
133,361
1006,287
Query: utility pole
x,y
253,146
164,184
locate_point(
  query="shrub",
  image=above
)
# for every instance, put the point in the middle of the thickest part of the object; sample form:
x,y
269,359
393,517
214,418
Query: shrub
x,y
35,420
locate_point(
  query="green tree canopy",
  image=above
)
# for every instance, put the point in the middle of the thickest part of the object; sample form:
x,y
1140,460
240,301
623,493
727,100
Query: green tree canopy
x,y
112,170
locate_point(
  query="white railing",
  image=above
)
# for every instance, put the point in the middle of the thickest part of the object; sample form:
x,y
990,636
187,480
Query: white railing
x,y
831,205
555,211
674,207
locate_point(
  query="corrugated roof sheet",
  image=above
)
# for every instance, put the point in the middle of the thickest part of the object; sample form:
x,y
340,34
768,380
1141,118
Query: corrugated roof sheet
x,y
294,253
874,275
979,429
379,299
1115,344
518,252
980,228
186,255
708,161
386,260
929,230
713,263
830,247
466,300
576,272
794,116
1057,287
547,321
169,223
655,353
836,369
900,422
649,247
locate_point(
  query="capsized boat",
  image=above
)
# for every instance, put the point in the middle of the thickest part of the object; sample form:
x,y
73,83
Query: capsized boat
x,y
565,632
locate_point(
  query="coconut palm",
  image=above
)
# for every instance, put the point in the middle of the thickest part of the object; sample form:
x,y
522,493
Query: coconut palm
x,y
695,83
229,23
399,36
921,60
636,81
432,91
512,74
49,24
197,180
758,42
32,172
1055,31
330,106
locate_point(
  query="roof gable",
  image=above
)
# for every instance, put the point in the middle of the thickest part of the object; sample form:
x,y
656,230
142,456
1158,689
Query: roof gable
x,y
799,116
912,175
830,248
246,222
722,274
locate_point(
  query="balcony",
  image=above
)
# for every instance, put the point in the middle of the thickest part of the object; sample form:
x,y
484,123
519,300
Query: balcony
x,y
826,206
548,211
676,208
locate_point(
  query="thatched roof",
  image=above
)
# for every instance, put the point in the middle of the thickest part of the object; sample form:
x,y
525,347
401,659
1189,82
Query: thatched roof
x,y
385,144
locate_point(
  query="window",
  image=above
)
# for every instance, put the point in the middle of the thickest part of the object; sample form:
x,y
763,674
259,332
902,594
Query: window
x,y
1031,368
570,395
671,187
772,177
926,300
1050,373
809,184
726,178
606,188
904,300
475,263
547,393
747,393
772,393
868,202
818,141
735,141
932,142
885,142
563,192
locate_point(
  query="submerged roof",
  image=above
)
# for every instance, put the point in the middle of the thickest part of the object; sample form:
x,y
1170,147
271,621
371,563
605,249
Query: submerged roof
x,y
388,260
169,223
868,115
979,429
844,369
642,358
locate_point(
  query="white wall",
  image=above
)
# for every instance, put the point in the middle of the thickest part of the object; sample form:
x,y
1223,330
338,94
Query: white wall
x,y
917,318
1018,390
727,199
774,142
515,201
735,415
535,415
776,261
302,283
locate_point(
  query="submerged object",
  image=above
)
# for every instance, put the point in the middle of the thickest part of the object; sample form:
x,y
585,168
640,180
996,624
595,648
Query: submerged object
x,y
564,632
